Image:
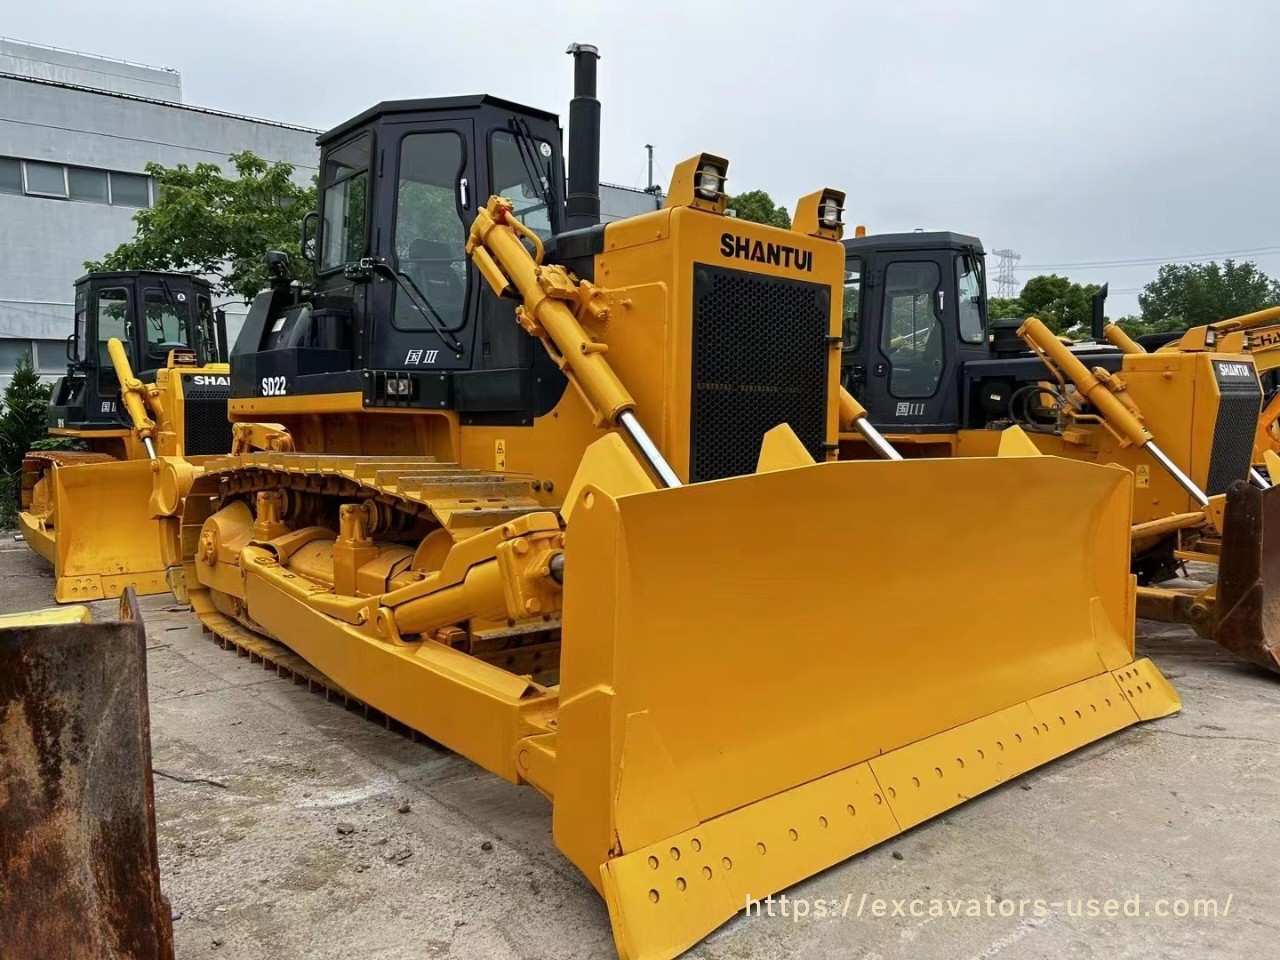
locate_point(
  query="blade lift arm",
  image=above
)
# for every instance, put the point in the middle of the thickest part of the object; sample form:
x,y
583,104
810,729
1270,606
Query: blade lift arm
x,y
1121,340
136,396
553,308
853,416
1107,393
1246,321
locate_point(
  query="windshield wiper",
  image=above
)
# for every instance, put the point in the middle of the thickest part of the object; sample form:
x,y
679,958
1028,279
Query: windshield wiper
x,y
417,298
529,157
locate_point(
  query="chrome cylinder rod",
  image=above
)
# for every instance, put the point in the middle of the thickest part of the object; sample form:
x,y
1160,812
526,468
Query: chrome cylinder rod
x,y
151,450
1183,480
876,439
648,449
1259,481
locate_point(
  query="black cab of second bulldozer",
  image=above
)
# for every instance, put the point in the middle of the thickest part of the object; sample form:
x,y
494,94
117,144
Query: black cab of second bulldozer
x,y
153,314
914,314
919,351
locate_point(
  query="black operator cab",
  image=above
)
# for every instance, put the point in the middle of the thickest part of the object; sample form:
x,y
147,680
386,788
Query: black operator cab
x,y
397,315
153,314
915,312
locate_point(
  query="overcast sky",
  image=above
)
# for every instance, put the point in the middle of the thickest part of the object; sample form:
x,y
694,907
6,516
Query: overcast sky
x,y
1070,132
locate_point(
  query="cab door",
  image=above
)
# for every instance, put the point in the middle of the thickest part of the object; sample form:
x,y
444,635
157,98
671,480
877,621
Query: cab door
x,y
923,321
428,194
910,353
113,316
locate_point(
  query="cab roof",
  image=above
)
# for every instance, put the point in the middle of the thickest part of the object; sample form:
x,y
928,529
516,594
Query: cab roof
x,y
930,240
429,105
142,274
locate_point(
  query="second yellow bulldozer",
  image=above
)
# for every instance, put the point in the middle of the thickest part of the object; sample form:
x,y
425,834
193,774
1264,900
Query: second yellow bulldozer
x,y
1256,335
90,513
563,498
939,380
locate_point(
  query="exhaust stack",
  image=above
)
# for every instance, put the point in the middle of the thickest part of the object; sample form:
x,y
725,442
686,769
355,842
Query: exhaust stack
x,y
1099,320
582,206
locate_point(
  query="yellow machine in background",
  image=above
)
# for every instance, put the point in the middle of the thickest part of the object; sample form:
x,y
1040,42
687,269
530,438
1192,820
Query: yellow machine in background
x,y
569,510
1174,392
1255,334
92,514
939,380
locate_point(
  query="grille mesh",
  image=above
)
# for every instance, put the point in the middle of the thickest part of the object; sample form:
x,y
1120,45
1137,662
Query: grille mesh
x,y
208,429
1232,450
760,355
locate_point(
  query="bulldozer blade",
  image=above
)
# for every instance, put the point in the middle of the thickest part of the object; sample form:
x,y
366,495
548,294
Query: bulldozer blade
x,y
106,538
77,813
1246,605
780,670
38,536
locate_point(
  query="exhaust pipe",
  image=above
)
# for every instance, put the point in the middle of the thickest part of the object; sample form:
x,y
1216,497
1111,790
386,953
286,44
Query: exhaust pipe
x,y
1099,320
582,206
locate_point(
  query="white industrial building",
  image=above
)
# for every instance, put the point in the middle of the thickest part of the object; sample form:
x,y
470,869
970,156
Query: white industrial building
x,y
76,134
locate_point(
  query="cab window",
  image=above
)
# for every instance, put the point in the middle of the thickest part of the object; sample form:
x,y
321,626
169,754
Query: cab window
x,y
969,299
113,318
79,349
345,206
912,328
852,303
522,172
166,319
430,239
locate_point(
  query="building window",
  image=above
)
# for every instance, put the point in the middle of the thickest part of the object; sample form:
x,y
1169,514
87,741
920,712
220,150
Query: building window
x,y
51,356
10,175
12,351
130,190
86,184
36,178
46,179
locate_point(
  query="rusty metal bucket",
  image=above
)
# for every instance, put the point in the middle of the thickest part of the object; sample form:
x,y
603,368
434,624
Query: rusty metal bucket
x,y
1246,614
79,875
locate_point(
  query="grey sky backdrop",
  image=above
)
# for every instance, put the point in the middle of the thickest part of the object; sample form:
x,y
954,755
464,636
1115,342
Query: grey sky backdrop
x,y
1072,132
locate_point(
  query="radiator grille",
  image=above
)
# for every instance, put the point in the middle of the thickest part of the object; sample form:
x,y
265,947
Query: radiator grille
x,y
760,355
1238,406
207,427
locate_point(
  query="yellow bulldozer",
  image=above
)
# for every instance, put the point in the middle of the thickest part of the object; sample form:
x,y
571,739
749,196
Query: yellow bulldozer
x,y
563,497
1256,334
939,380
89,513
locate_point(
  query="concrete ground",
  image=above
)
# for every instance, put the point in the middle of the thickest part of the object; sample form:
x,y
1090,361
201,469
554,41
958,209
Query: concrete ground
x,y
293,828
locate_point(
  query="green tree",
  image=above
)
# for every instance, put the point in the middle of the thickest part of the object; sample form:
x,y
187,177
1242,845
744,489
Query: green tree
x,y
1190,294
758,207
1065,307
1001,308
24,421
1137,327
216,225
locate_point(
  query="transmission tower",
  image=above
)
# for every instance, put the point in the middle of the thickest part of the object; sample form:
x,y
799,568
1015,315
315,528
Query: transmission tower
x,y
1006,278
